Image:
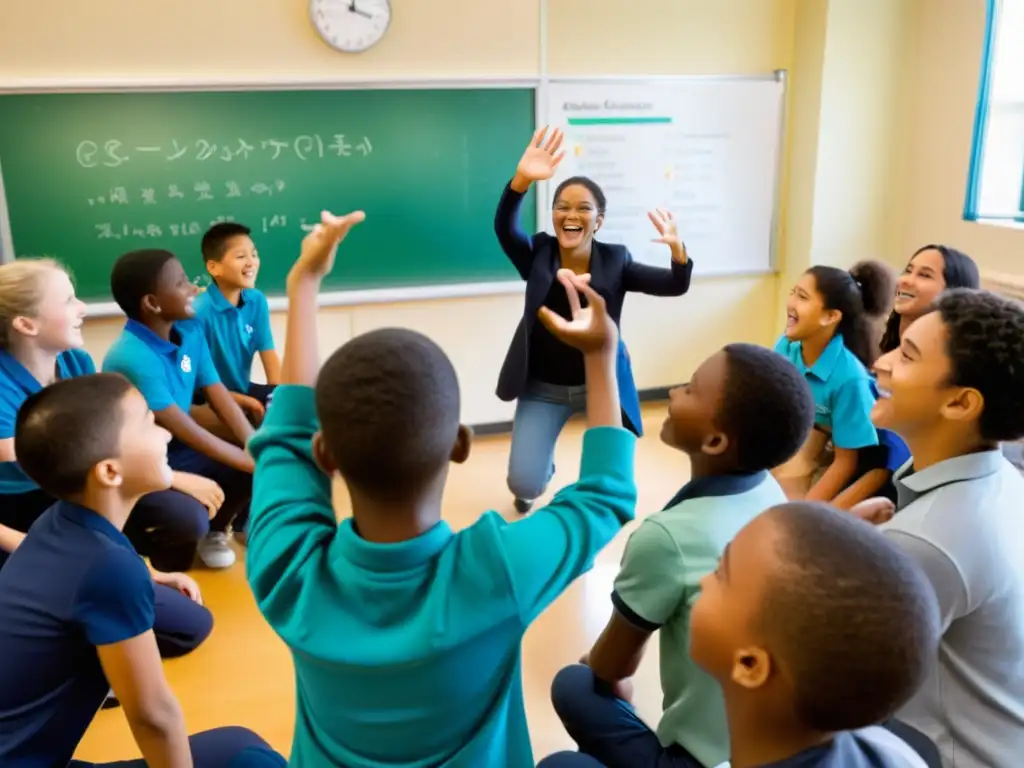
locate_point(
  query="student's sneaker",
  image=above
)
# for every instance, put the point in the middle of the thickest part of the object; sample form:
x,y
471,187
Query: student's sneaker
x,y
111,701
215,551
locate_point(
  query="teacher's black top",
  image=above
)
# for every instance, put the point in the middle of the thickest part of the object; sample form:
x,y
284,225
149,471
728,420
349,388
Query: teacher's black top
x,y
612,274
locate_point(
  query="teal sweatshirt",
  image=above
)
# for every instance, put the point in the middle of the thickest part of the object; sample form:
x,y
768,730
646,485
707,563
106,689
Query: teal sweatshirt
x,y
408,654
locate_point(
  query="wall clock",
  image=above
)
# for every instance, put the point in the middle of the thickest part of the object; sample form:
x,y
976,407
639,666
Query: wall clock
x,y
351,26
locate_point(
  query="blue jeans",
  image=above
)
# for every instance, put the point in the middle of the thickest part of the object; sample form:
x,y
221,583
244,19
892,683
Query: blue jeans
x,y
607,728
230,747
541,413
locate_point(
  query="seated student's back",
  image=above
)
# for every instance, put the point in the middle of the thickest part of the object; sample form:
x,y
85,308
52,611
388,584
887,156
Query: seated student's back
x,y
406,635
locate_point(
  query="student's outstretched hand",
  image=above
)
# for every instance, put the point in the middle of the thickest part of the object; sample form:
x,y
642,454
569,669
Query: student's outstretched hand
x,y
320,245
542,156
875,511
668,233
591,329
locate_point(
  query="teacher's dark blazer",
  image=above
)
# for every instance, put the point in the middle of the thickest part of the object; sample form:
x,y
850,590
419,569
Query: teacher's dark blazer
x,y
612,273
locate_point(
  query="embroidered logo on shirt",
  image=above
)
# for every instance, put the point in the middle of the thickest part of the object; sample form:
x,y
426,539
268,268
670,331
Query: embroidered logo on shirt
x,y
186,364
248,330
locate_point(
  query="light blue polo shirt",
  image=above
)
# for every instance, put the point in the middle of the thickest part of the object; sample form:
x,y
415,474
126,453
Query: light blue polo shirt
x,y
16,384
165,372
842,391
235,334
665,560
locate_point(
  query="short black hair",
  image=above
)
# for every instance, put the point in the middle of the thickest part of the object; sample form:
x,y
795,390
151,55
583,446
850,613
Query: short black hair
x,y
985,345
592,186
135,276
848,615
215,241
767,408
388,403
958,271
67,428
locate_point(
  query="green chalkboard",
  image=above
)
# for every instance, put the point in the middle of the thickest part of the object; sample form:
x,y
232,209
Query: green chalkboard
x,y
89,176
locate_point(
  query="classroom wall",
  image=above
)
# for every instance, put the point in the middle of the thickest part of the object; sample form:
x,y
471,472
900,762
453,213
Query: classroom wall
x,y
273,40
941,67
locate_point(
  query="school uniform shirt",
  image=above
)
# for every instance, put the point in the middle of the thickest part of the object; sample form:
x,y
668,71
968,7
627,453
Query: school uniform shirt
x,y
75,583
872,747
235,334
841,387
962,521
665,559
409,653
16,384
165,372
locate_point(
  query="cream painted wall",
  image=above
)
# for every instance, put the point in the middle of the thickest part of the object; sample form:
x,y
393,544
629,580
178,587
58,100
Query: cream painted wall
x,y
941,66
820,42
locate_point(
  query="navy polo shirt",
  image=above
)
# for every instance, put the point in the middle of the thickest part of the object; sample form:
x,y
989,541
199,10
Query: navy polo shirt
x,y
16,384
235,334
74,583
165,372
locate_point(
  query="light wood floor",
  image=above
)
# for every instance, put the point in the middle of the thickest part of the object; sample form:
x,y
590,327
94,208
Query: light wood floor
x,y
243,675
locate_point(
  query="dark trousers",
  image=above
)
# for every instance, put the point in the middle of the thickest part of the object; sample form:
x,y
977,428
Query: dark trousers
x,y
230,747
180,625
237,485
609,733
262,392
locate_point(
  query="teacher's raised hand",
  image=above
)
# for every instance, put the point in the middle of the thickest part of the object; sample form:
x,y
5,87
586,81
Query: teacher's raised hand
x,y
591,329
540,160
668,233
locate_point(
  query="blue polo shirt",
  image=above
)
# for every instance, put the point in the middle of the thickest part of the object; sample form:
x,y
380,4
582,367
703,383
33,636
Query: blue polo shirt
x,y
74,583
165,372
842,391
235,334
16,384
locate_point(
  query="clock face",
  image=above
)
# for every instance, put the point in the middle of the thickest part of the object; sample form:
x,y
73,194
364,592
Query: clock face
x,y
351,25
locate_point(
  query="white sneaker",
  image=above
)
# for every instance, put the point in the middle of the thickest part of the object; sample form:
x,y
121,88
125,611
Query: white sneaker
x,y
215,551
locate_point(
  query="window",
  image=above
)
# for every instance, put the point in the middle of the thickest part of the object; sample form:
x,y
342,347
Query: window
x,y
995,189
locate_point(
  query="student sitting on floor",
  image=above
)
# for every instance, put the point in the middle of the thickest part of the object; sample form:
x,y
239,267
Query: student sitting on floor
x,y
164,354
745,411
236,318
953,390
76,600
405,635
816,628
40,343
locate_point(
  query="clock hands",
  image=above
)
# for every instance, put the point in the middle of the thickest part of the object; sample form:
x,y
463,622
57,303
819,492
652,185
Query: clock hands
x,y
352,8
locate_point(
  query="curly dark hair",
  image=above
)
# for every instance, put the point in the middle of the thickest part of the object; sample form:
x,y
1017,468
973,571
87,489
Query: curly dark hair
x,y
958,271
862,294
767,408
985,344
848,606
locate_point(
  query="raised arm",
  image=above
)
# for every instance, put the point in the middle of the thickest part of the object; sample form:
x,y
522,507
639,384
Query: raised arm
x,y
659,281
291,521
545,552
538,163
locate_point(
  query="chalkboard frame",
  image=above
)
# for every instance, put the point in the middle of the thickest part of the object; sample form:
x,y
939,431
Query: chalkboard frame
x,y
327,298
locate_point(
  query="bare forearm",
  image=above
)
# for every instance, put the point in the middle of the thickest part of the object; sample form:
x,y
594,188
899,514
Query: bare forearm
x,y
833,481
301,357
603,408
230,413
164,741
10,539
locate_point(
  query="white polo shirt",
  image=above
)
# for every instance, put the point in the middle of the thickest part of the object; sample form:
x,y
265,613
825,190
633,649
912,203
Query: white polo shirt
x,y
963,521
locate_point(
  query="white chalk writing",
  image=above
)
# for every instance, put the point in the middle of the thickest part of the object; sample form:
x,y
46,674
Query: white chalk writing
x,y
113,153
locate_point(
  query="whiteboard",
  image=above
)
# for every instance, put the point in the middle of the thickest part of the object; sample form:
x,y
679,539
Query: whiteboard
x,y
707,149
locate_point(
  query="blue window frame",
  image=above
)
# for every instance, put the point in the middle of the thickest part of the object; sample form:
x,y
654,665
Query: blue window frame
x,y
995,182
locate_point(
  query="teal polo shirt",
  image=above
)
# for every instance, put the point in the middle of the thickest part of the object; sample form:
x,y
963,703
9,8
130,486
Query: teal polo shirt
x,y
235,334
409,653
16,384
165,372
842,390
659,582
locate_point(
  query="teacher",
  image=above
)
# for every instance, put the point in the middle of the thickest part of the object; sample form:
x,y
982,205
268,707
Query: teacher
x,y
545,375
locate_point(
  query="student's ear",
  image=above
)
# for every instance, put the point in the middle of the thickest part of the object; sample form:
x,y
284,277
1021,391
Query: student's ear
x,y
463,441
751,667
831,317
24,325
322,456
107,474
965,405
715,444
599,221
213,267
150,304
